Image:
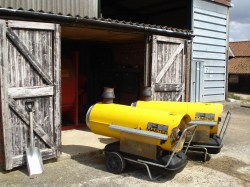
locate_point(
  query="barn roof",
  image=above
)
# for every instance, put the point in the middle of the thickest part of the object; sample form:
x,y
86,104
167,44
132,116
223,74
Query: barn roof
x,y
240,49
240,64
94,22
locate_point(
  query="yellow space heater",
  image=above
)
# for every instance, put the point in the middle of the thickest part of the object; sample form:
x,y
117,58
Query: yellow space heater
x,y
205,115
145,136
154,126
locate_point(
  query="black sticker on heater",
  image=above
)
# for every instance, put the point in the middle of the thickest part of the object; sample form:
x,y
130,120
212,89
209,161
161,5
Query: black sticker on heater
x,y
204,116
158,128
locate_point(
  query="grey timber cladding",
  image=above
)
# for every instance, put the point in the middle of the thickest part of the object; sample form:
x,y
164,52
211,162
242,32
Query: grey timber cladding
x,y
209,50
64,7
30,69
168,69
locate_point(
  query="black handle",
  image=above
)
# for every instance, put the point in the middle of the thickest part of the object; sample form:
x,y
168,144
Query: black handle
x,y
29,104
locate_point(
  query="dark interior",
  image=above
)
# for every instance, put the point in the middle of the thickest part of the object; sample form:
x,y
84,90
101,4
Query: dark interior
x,y
171,13
90,64
95,58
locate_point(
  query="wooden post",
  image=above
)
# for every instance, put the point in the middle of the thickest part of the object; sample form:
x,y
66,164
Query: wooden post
x,y
57,83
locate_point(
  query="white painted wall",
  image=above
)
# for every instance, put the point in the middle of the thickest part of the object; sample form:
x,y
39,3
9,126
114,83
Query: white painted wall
x,y
209,59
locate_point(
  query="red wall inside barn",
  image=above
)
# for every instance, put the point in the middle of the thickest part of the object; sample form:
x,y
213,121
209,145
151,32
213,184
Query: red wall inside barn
x,y
70,90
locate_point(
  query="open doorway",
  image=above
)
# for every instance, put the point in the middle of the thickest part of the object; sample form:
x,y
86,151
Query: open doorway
x,y
88,66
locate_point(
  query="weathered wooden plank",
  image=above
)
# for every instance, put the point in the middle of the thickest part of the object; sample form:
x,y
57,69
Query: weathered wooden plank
x,y
183,73
35,91
210,13
210,19
210,26
210,34
178,96
213,98
211,91
214,84
168,39
167,87
178,68
214,77
169,62
219,69
57,91
25,118
40,119
212,41
30,25
208,55
215,63
153,66
187,70
14,134
209,48
5,116
211,6
21,159
171,75
25,52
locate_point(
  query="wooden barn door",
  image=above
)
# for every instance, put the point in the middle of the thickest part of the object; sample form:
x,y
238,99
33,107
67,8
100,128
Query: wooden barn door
x,y
168,69
30,69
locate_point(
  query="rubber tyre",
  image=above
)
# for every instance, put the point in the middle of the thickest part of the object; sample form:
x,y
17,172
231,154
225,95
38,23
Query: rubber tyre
x,y
115,163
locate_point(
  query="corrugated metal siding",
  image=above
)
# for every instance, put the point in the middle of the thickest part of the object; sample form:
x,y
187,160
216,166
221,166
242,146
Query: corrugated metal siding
x,y
65,7
209,48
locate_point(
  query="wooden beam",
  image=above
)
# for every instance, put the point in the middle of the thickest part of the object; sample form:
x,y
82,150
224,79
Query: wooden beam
x,y
31,25
21,159
25,118
167,87
57,89
5,116
35,91
26,53
180,95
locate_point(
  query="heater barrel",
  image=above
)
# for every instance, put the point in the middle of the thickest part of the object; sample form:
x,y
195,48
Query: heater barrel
x,y
206,114
159,128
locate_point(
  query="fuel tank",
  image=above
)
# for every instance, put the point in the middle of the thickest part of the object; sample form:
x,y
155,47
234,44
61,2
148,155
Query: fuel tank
x,y
146,125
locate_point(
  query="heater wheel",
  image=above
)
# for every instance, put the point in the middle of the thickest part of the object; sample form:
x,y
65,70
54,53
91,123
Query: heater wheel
x,y
115,163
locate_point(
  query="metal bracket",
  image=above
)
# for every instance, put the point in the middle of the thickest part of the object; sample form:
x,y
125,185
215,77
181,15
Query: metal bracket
x,y
205,123
147,163
221,135
139,132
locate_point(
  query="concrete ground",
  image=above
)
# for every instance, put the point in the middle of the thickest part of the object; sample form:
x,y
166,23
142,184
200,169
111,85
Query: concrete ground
x,y
82,163
243,96
82,142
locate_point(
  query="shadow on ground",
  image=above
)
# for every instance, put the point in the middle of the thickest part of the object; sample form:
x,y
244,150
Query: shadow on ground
x,y
96,159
